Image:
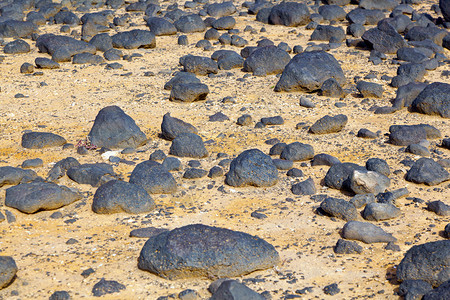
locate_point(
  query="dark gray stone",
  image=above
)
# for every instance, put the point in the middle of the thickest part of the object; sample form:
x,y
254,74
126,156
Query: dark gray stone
x,y
282,164
39,140
224,23
366,133
218,10
366,232
35,196
17,29
60,295
380,211
188,145
418,149
203,251
414,289
331,289
188,92
307,71
384,38
427,171
232,289
289,14
172,127
408,73
331,88
181,77
8,270
403,135
46,63
32,163
444,5
93,174
118,196
323,159
365,16
306,187
420,33
332,12
328,33
134,39
62,48
160,26
339,208
16,47
439,293
199,65
113,128
378,165
154,178
104,287
188,295
190,23
60,168
218,117
413,54
360,200
277,149
329,124
157,155
378,4
266,61
87,58
347,247
228,60
172,164
370,89
102,42
294,172
66,17
433,100
194,173
26,68
356,30
429,262
215,172
338,175
13,176
297,152
252,167
439,208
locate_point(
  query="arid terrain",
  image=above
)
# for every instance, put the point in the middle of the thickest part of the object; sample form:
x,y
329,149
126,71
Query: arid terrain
x,y
66,101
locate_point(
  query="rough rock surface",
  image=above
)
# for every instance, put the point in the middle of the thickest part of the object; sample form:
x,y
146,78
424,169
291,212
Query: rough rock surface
x,y
203,251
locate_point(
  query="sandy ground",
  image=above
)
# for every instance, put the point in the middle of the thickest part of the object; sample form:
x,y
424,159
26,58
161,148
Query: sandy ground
x,y
72,96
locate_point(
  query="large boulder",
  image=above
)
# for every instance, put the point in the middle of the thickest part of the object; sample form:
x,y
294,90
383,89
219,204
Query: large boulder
x,y
113,128
190,23
307,71
433,100
35,196
119,196
266,60
154,178
93,174
427,171
203,251
62,48
384,38
252,167
289,14
429,262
